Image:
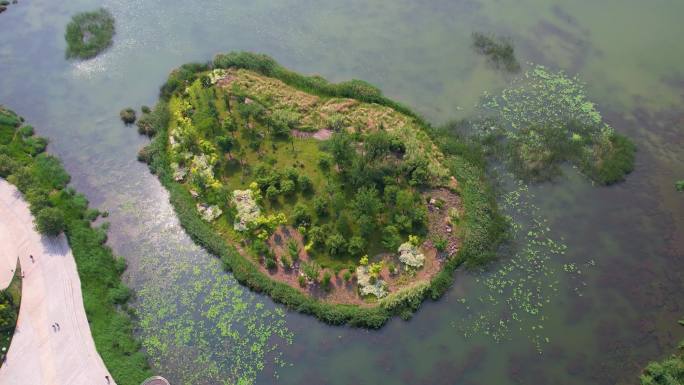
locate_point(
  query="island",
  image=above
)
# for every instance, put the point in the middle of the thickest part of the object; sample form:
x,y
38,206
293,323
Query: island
x,y
331,198
89,33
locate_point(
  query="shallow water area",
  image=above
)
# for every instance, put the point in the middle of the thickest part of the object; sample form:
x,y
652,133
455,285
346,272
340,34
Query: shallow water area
x,y
599,326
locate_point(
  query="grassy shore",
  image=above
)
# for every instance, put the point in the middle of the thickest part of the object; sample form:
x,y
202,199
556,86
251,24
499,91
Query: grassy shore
x,y
43,181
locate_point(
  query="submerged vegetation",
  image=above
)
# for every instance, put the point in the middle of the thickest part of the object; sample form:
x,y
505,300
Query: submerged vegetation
x,y
679,185
43,182
4,4
543,120
307,177
89,33
499,51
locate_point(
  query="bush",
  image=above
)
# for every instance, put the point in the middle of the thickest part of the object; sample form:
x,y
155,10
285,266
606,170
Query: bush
x,y
326,281
50,221
679,185
127,115
89,33
302,281
311,270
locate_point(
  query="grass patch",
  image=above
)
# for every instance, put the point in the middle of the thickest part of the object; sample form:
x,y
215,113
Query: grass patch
x,y
43,181
89,33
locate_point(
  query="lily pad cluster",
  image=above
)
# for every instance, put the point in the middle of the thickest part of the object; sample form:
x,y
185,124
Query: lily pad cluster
x,y
517,293
545,119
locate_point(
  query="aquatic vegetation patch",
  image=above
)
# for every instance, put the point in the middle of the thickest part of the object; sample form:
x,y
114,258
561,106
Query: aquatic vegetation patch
x,y
526,282
544,119
498,50
679,185
89,33
201,320
43,182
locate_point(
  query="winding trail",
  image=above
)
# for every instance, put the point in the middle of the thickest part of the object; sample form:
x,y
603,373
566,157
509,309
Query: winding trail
x,y
51,293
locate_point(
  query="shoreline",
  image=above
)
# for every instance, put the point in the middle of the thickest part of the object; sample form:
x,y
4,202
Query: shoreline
x,y
51,293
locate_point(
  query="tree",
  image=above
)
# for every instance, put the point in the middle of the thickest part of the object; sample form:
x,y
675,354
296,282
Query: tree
x,y
287,187
366,202
356,245
50,221
342,149
305,183
272,192
376,145
225,143
390,237
300,215
229,125
320,205
336,245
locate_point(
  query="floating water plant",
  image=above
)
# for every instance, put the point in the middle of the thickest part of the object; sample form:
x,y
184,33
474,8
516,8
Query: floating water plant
x,y
544,119
525,282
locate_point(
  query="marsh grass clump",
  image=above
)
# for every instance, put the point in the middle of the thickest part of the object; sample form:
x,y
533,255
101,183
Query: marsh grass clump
x,y
668,371
127,116
498,50
543,120
89,33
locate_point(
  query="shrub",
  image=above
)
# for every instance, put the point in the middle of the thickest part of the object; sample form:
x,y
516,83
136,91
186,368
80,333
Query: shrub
x,y
391,238
347,275
336,245
127,115
50,221
312,270
679,185
300,215
326,281
145,109
287,187
293,250
302,280
320,206
89,33
440,243
356,245
305,184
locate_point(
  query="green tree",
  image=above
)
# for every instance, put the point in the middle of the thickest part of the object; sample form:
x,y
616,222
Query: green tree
x,y
320,205
326,281
391,238
336,245
50,221
342,149
366,202
356,245
225,144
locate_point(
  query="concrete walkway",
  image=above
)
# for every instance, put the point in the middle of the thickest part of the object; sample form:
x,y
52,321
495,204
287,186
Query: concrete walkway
x,y
51,294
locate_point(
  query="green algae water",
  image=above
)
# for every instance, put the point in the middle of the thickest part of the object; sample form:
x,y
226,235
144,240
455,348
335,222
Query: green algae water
x,y
589,289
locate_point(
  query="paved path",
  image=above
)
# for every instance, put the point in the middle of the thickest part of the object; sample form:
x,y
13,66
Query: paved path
x,y
51,293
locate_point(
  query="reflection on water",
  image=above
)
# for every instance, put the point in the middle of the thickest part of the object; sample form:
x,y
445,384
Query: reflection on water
x,y
204,325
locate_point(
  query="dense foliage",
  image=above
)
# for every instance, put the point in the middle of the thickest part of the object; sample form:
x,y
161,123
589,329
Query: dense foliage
x,y
43,181
544,119
355,157
10,298
89,33
499,51
669,371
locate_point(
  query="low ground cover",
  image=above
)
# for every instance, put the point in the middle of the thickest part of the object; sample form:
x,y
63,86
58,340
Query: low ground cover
x,y
43,182
300,185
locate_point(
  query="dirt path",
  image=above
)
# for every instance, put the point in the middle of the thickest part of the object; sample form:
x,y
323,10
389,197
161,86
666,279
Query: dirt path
x,y
51,293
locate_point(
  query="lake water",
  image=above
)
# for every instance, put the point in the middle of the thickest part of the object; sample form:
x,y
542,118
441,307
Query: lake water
x,y
594,313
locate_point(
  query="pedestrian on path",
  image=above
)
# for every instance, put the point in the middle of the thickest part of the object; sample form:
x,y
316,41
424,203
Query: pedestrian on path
x,y
107,378
56,324
32,261
54,328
